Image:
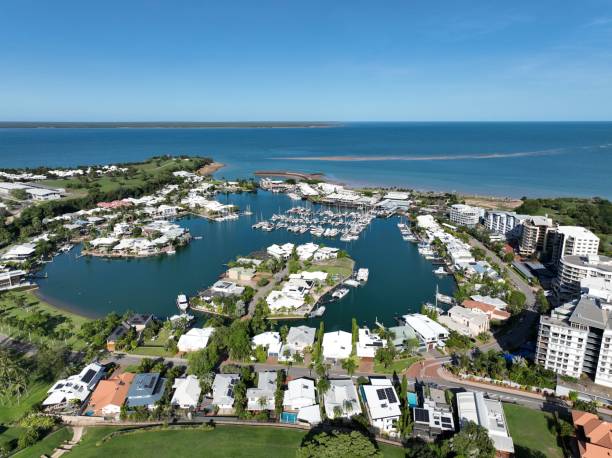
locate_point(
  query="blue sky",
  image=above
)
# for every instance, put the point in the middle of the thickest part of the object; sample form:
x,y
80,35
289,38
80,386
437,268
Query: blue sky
x,y
309,60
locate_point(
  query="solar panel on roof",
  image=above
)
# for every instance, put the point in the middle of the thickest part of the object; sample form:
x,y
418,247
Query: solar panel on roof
x,y
88,375
421,415
391,395
381,394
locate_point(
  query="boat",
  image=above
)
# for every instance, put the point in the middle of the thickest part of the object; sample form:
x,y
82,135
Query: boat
x,y
351,282
340,293
443,298
182,302
318,312
248,211
198,237
171,251
362,275
294,196
440,271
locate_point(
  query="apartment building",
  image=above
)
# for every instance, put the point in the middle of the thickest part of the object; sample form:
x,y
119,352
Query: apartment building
x,y
576,338
573,269
534,236
572,241
465,215
508,224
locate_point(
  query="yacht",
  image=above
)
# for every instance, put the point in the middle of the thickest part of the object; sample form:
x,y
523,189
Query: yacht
x,y
362,275
182,302
440,271
340,293
318,312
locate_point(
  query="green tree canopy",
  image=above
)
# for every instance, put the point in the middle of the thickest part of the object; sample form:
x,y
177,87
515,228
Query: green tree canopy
x,y
338,444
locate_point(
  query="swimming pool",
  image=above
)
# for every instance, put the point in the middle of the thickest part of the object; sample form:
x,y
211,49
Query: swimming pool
x,y
288,417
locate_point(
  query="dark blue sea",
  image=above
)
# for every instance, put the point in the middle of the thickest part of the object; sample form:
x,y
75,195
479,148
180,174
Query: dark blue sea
x,y
505,159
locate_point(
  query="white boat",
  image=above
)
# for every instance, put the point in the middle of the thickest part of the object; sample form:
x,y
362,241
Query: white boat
x,y
294,196
340,293
171,251
440,271
248,211
362,275
197,237
318,312
351,282
182,302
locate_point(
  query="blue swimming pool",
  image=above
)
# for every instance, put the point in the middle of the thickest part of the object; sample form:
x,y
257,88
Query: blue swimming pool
x,y
288,417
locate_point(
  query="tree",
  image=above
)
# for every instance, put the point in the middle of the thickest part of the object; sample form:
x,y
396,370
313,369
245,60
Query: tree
x,y
238,340
516,301
323,385
509,257
13,379
473,441
385,355
349,365
336,443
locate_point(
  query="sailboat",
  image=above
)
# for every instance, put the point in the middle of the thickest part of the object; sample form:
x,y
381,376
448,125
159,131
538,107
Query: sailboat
x,y
248,211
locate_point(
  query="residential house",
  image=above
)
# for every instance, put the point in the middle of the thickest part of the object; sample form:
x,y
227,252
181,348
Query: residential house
x,y
262,397
488,413
187,392
271,341
337,345
195,339
20,252
341,399
241,274
281,251
118,333
146,390
369,343
77,387
434,417
12,279
382,404
467,322
110,395
429,332
491,311
298,339
300,393
223,390
593,435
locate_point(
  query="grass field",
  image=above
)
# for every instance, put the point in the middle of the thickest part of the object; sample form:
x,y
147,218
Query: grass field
x,y
47,445
9,414
144,171
398,365
341,266
532,431
224,441
9,307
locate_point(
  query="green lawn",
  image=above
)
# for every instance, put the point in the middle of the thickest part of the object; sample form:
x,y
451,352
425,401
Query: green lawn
x,y
532,430
224,441
398,365
341,266
47,445
11,413
32,303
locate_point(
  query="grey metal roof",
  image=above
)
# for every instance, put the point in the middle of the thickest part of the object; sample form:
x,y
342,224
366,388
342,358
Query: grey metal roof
x,y
588,313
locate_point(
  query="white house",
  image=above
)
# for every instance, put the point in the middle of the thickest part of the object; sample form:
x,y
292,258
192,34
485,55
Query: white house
x,y
281,251
223,390
337,345
187,392
369,343
20,252
195,339
300,393
262,397
465,321
76,387
341,397
300,337
383,405
306,251
427,330
325,253
278,300
271,341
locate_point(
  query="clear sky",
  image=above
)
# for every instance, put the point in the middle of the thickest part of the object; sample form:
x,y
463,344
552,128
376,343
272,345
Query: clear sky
x,y
131,60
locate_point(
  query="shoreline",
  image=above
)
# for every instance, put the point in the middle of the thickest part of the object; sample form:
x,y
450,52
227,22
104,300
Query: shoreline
x,y
63,307
210,169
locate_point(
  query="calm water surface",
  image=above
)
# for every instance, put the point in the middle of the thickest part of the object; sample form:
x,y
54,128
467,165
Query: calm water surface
x,y
400,279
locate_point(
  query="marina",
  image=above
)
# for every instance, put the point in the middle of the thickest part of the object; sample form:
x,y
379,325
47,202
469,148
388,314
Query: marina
x,y
397,272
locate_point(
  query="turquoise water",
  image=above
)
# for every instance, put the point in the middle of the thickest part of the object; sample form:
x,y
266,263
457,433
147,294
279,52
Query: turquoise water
x,y
400,279
533,159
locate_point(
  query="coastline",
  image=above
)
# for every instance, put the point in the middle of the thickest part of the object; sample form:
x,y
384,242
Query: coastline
x,y
62,307
210,169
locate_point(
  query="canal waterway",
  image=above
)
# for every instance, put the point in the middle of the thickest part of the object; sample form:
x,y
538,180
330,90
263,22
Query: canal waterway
x,y
400,279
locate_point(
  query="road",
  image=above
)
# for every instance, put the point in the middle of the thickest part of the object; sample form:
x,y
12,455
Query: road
x,y
515,278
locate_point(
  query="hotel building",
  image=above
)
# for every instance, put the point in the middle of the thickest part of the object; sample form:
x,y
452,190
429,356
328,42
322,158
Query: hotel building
x,y
465,215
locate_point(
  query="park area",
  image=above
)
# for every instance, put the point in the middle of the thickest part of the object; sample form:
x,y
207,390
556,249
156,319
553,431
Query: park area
x,y
222,441
533,432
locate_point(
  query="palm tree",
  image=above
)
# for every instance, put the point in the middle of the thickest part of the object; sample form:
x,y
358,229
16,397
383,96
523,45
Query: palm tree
x,y
263,401
13,379
347,405
349,365
338,411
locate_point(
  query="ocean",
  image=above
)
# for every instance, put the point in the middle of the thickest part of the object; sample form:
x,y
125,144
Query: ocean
x,y
501,159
